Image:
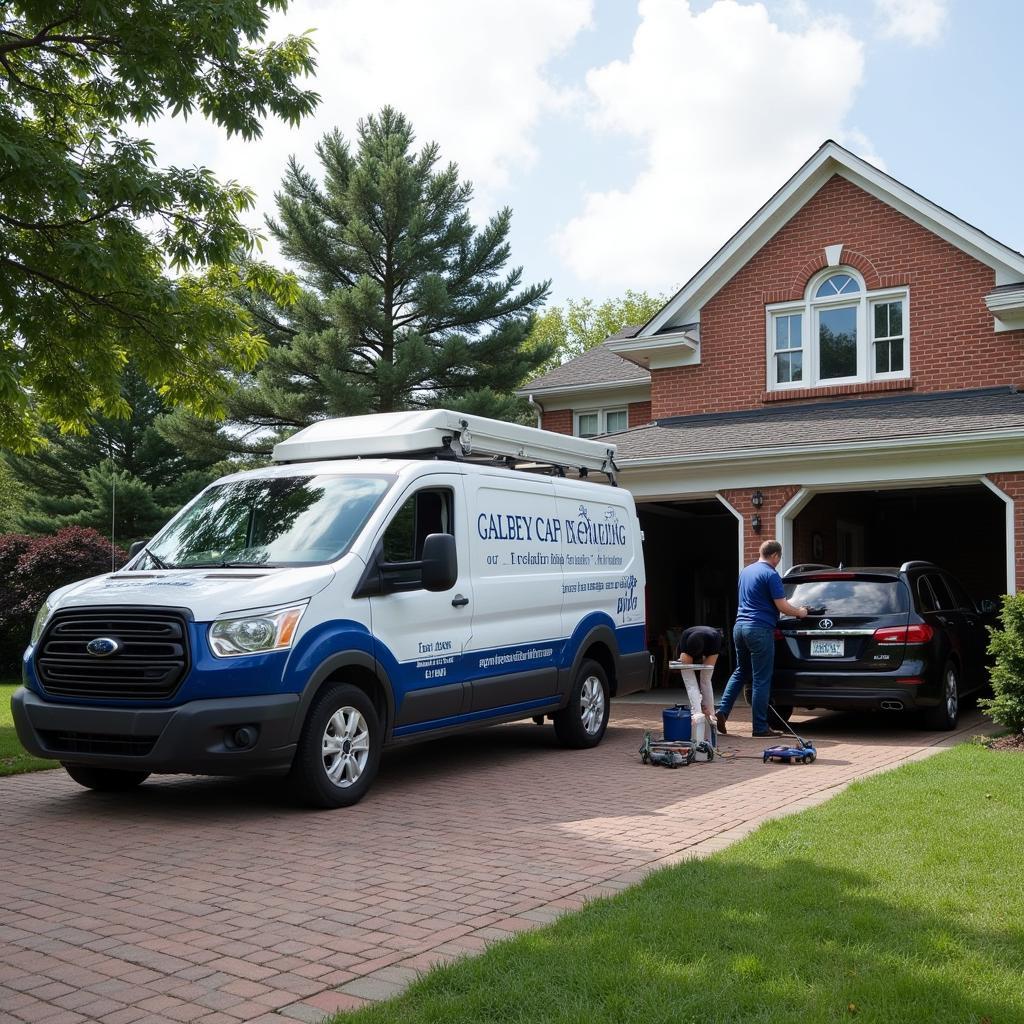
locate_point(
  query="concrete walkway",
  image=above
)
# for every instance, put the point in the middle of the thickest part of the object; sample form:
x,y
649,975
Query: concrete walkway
x,y
217,901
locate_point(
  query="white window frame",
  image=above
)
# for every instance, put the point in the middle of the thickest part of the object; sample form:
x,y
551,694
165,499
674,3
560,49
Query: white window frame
x,y
602,418
810,308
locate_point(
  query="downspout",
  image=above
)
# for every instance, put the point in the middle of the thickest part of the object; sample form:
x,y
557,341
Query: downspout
x,y
540,411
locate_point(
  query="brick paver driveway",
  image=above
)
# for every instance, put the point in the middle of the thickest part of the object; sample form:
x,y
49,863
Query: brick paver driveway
x,y
217,901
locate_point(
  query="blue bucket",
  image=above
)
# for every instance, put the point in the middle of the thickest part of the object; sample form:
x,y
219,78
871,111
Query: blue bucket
x,y
677,723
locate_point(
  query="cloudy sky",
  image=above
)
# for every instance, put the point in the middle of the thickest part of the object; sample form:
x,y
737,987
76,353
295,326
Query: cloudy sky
x,y
631,139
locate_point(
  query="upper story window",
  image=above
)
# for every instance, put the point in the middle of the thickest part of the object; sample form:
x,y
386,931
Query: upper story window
x,y
592,422
839,334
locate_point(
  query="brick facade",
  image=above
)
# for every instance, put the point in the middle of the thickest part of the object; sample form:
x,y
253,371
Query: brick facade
x,y
560,421
952,341
773,500
639,413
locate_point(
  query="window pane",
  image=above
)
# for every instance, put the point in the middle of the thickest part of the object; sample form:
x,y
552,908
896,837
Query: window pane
x,y
788,331
882,320
789,367
889,320
617,420
588,425
837,338
837,284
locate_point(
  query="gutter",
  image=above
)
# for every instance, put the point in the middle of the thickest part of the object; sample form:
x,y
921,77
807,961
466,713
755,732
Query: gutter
x,y
540,411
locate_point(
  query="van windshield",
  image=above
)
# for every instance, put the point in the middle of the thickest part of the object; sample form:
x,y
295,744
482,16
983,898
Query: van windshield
x,y
275,521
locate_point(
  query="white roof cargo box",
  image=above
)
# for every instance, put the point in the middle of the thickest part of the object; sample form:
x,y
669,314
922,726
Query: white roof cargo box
x,y
455,434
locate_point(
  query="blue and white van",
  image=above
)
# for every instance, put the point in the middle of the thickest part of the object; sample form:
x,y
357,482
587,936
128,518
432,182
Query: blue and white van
x,y
389,578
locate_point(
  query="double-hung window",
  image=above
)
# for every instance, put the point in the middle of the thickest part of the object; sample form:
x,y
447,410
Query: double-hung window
x,y
839,334
601,421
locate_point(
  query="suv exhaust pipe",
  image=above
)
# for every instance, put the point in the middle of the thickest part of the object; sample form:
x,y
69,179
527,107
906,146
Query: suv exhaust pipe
x,y
892,705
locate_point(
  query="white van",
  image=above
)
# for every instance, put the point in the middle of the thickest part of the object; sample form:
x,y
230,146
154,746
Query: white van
x,y
390,578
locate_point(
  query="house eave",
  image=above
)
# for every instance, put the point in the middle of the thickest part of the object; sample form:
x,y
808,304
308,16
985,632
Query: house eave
x,y
659,353
1007,307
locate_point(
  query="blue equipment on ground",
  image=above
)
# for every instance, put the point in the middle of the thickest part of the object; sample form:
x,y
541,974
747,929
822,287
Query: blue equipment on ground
x,y
801,752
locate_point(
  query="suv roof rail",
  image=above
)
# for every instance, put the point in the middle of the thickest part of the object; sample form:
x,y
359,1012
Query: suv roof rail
x,y
807,567
917,563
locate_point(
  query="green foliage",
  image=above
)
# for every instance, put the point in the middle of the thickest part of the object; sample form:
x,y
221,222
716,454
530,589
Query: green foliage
x,y
88,222
71,480
404,303
12,499
1007,645
582,324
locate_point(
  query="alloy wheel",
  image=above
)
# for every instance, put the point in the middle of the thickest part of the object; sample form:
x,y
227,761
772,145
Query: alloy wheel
x,y
346,747
592,704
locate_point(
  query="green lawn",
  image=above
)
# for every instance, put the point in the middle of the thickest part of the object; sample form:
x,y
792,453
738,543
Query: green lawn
x,y
13,759
899,900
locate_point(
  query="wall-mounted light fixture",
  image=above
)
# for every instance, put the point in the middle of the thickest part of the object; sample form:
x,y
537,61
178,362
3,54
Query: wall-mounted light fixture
x,y
757,499
755,523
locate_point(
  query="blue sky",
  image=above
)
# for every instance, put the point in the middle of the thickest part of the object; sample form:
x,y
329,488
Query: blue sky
x,y
633,137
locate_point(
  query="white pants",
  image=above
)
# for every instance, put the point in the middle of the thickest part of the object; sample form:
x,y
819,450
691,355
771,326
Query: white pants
x,y
698,693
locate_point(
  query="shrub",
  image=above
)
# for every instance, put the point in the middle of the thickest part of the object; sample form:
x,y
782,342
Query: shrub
x,y
1007,644
32,567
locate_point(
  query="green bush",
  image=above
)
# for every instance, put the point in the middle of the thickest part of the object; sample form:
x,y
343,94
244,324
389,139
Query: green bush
x,y
1007,644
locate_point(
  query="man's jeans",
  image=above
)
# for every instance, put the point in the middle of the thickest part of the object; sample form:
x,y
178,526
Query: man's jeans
x,y
755,660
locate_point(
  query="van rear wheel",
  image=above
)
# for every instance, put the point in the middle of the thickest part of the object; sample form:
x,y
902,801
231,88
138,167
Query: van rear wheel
x,y
583,721
105,780
339,750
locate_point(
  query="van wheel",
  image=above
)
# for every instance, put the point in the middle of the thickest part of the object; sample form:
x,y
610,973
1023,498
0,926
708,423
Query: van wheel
x,y
339,750
583,721
946,715
105,780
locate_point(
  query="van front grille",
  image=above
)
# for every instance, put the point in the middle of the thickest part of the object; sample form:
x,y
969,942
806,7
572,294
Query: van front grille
x,y
150,659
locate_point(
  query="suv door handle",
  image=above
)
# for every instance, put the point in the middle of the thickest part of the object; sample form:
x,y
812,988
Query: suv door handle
x,y
458,601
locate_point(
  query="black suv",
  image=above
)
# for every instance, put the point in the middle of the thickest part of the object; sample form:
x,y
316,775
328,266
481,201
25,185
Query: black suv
x,y
880,638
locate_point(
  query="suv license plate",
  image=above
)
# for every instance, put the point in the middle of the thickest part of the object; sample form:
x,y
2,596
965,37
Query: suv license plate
x,y
827,648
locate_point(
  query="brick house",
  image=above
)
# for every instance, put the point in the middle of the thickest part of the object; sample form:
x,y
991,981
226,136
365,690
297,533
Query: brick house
x,y
842,374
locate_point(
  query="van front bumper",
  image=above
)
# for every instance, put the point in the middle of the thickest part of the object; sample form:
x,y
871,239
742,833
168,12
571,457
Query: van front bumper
x,y
200,737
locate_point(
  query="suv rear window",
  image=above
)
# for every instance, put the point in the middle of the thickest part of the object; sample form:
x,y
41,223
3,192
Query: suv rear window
x,y
850,597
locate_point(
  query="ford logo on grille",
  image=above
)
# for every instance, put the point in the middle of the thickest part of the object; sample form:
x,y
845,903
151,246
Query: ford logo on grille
x,y
824,624
102,646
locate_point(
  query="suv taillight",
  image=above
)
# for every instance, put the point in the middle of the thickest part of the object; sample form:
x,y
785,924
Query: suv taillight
x,y
917,634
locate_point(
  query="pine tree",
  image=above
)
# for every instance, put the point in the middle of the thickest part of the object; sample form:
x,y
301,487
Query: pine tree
x,y
404,303
125,463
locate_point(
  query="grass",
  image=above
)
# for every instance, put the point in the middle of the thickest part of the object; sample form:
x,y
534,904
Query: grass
x,y
899,900
13,758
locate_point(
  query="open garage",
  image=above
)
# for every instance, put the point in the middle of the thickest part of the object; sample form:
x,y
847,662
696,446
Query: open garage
x,y
960,527
692,556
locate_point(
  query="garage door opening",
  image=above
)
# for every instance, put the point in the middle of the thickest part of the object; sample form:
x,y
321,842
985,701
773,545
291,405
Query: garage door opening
x,y
961,528
691,554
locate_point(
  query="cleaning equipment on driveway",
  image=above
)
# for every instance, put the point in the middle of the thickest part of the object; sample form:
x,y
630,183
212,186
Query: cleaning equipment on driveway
x,y
677,723
673,753
800,753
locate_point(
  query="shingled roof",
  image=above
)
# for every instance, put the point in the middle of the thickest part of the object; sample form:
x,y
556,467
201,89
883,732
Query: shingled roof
x,y
799,426
598,365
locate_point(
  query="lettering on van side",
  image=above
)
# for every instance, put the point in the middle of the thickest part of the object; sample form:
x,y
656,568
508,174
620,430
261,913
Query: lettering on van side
x,y
550,530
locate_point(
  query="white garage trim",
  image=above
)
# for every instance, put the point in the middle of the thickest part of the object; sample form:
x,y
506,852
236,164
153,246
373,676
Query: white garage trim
x,y
784,523
1011,544
742,562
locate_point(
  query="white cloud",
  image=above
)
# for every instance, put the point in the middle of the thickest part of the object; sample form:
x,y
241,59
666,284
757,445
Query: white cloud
x,y
470,74
919,22
725,106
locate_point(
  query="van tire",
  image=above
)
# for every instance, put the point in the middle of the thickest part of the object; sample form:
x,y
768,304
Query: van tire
x,y
105,780
582,722
329,769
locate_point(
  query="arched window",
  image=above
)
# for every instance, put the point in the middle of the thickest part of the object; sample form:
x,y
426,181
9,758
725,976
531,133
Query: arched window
x,y
839,334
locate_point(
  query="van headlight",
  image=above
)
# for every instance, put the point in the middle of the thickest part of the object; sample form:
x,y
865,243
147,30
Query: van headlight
x,y
255,632
42,617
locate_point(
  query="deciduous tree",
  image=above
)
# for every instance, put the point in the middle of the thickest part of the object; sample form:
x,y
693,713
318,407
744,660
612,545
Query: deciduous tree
x,y
90,225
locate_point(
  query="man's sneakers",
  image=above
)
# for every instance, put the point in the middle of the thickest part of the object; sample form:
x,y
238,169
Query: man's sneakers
x,y
765,733
720,724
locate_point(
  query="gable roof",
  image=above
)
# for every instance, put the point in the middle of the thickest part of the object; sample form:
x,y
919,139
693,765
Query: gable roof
x,y
830,159
598,365
906,419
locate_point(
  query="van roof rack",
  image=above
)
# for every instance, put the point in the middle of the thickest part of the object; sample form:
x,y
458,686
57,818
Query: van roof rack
x,y
443,434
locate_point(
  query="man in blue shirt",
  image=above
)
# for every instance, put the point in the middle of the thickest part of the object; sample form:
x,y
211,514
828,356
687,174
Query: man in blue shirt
x,y
762,598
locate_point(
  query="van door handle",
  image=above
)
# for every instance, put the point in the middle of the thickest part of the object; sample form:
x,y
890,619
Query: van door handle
x,y
458,601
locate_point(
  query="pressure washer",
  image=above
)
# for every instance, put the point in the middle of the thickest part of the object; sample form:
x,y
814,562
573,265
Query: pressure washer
x,y
803,752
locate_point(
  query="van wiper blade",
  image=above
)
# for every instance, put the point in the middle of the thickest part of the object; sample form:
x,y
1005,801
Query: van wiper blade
x,y
230,565
159,562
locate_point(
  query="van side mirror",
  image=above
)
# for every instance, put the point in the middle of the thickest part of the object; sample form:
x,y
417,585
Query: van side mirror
x,y
440,562
136,548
